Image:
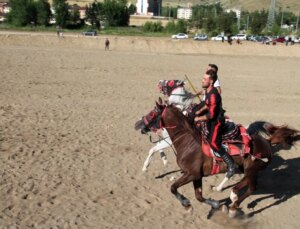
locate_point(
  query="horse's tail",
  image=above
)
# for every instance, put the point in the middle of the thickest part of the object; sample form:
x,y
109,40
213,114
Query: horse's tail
x,y
258,127
283,135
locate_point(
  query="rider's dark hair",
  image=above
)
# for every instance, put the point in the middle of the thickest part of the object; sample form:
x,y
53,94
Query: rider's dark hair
x,y
212,74
214,67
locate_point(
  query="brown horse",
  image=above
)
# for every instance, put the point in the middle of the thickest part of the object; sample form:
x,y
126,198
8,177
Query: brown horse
x,y
195,164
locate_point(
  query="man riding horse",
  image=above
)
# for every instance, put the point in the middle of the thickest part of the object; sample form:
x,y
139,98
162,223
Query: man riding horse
x,y
213,115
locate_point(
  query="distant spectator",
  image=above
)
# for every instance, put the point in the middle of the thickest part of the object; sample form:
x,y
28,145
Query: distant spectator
x,y
229,40
106,44
223,39
58,30
287,41
238,41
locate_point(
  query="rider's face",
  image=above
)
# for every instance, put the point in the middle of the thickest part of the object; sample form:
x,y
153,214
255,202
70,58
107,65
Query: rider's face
x,y
206,81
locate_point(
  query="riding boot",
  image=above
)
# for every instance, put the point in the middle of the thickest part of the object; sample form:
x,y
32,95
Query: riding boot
x,y
230,164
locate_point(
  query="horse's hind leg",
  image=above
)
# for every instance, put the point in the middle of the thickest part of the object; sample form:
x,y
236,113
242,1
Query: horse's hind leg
x,y
148,159
163,157
160,146
249,181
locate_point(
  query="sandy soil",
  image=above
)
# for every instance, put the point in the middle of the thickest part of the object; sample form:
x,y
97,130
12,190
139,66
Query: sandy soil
x,y
70,158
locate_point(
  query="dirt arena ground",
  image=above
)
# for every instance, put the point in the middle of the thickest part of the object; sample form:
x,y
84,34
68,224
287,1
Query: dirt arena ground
x,y
70,157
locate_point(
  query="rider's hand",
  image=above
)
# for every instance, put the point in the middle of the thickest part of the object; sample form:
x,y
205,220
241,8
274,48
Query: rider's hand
x,y
199,93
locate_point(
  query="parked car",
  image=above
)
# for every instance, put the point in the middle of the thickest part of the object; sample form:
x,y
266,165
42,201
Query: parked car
x,y
279,39
219,38
180,36
200,37
239,36
297,40
89,33
266,40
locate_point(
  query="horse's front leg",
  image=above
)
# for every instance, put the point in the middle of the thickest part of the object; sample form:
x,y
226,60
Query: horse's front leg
x,y
186,178
198,193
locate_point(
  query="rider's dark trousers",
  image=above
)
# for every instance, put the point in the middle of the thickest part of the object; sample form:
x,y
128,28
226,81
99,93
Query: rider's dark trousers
x,y
215,136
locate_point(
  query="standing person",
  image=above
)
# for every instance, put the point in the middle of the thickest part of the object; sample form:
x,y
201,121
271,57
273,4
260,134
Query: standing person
x,y
214,118
106,44
58,30
229,40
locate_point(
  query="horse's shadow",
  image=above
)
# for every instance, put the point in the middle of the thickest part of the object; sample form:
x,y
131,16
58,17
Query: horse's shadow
x,y
280,181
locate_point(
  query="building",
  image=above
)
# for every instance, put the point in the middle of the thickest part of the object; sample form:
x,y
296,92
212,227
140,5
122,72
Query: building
x,y
80,9
142,7
236,11
4,6
184,13
155,7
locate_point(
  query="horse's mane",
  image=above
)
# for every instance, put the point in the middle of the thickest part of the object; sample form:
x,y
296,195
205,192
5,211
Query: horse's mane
x,y
186,123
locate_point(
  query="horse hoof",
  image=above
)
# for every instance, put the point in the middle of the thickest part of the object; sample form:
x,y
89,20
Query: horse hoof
x,y
144,169
213,203
216,189
233,197
232,213
172,178
224,209
189,209
165,162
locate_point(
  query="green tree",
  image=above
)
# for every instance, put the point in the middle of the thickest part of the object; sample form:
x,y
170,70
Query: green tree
x,y
181,26
131,9
259,21
153,27
61,12
95,13
225,22
170,27
74,15
210,24
21,12
116,12
43,12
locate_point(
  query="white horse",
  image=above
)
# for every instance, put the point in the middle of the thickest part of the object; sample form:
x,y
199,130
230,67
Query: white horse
x,y
181,98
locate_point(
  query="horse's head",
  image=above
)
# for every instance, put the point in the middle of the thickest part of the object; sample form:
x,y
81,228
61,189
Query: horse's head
x,y
167,86
151,121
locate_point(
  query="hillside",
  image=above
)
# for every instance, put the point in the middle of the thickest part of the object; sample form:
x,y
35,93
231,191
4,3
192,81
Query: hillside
x,y
250,5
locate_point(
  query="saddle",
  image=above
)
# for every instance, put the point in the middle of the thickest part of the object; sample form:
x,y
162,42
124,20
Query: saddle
x,y
235,141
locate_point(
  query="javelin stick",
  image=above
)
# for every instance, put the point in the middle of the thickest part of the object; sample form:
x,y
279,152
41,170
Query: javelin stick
x,y
192,86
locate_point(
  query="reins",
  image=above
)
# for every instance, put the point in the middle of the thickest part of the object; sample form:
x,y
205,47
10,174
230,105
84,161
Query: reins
x,y
162,139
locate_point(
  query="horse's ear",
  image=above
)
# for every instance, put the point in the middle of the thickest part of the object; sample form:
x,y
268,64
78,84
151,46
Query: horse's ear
x,y
160,102
157,104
